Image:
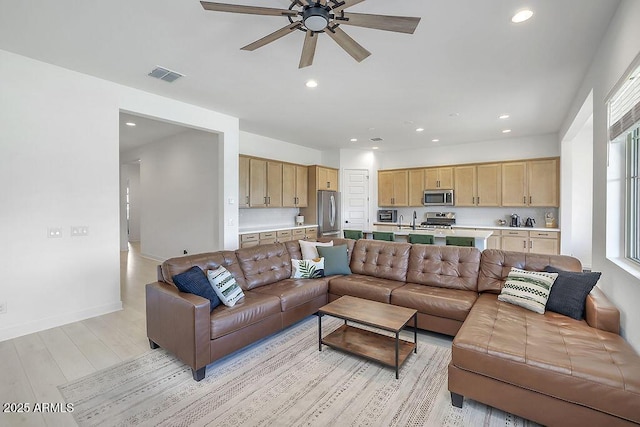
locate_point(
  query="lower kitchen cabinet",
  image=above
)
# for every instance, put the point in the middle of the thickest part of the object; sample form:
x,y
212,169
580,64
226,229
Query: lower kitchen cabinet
x,y
278,236
539,242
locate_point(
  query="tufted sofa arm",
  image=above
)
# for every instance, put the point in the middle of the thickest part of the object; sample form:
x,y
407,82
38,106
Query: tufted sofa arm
x,y
600,313
180,323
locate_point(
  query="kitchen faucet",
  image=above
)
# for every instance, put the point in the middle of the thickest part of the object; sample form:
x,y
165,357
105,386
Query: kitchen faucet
x,y
413,222
400,223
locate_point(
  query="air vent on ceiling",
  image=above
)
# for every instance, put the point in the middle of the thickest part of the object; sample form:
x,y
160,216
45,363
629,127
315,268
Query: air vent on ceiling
x,y
376,139
165,74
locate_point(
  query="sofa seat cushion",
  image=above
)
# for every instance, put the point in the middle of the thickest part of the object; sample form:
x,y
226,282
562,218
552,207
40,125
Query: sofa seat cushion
x,y
442,302
550,354
361,286
295,292
251,309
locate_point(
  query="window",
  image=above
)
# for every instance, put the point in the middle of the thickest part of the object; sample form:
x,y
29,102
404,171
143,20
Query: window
x,y
624,126
633,196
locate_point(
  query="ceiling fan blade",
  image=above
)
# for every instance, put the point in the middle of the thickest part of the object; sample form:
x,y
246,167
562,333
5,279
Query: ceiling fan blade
x,y
351,46
347,3
399,24
309,49
272,37
251,10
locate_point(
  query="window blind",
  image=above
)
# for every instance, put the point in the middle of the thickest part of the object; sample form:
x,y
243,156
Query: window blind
x,y
624,107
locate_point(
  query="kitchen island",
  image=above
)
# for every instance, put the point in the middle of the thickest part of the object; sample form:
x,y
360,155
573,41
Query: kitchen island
x,y
439,234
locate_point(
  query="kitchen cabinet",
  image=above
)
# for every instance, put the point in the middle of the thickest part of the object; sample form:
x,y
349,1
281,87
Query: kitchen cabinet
x,y
278,236
416,187
393,188
477,185
294,186
438,178
531,183
243,193
327,178
539,242
265,183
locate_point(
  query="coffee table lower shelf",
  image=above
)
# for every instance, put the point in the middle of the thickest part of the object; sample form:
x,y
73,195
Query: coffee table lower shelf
x,y
370,345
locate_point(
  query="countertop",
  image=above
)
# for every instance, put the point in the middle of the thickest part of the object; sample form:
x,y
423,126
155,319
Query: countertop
x,y
436,232
481,227
270,228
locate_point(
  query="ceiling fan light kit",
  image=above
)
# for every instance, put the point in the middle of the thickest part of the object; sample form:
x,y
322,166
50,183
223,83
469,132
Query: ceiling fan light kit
x,y
316,17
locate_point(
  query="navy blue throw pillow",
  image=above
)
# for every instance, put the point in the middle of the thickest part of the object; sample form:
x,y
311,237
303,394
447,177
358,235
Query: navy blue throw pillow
x,y
194,281
569,292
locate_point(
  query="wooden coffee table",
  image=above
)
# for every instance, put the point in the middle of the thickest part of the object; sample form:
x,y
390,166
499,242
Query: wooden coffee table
x,y
371,345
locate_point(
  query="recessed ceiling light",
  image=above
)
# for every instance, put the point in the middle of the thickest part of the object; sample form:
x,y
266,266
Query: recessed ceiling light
x,y
503,116
522,16
454,114
435,140
420,130
374,148
506,131
130,124
311,83
354,139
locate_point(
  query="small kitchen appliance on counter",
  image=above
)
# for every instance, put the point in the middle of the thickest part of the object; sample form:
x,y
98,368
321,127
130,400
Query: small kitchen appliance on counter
x,y
387,215
299,220
515,220
529,222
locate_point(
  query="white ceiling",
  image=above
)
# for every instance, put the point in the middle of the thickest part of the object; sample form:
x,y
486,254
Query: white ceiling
x,y
465,58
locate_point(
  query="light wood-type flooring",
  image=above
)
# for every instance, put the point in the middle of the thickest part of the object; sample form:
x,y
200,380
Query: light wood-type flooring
x,y
32,366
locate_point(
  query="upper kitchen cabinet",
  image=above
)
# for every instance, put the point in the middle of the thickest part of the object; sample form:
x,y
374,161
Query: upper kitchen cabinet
x,y
438,178
531,183
294,186
265,183
243,193
477,185
326,178
393,188
416,187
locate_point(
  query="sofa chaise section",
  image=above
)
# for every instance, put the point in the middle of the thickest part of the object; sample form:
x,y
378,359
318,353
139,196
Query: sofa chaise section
x,y
548,368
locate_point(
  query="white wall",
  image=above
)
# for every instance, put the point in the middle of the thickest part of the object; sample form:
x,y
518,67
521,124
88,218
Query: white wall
x,y
618,49
179,195
59,167
502,149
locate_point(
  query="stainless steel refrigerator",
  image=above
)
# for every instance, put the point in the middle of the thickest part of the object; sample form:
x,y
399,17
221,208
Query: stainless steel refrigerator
x,y
328,213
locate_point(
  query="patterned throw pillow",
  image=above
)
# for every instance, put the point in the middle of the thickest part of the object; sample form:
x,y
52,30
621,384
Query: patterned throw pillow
x,y
195,282
528,289
307,268
225,286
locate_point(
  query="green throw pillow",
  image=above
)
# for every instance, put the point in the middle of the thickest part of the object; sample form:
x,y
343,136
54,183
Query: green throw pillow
x,y
336,260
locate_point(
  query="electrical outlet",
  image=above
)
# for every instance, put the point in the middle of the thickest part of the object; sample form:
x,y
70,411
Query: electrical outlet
x,y
3,307
79,230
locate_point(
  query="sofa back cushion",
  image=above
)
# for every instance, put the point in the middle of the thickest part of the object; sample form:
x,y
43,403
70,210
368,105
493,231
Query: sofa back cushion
x,y
496,264
452,267
264,264
377,258
206,261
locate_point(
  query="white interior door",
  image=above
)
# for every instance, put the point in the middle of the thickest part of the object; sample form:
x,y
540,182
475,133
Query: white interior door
x,y
355,199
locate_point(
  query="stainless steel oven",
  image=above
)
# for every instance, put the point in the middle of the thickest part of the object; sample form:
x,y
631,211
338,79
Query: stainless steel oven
x,y
387,215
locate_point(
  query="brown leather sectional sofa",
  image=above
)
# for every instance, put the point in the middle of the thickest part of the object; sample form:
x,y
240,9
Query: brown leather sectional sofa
x,y
548,368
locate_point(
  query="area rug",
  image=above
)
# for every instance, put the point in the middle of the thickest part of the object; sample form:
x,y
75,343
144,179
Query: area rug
x,y
282,380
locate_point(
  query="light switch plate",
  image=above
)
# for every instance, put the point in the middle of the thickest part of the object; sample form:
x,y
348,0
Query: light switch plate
x,y
79,230
54,232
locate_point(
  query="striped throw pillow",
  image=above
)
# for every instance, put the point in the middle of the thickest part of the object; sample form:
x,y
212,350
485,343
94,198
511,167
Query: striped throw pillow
x,y
225,286
528,289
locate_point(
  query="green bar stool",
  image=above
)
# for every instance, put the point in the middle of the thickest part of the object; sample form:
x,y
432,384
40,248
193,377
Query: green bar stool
x,y
384,235
460,241
352,234
425,239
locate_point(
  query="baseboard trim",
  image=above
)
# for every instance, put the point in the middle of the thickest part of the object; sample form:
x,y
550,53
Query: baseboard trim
x,y
55,321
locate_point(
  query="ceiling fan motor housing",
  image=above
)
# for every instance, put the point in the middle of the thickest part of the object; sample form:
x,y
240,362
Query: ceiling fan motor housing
x,y
316,17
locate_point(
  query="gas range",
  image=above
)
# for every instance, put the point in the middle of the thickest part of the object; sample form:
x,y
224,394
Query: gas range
x,y
443,220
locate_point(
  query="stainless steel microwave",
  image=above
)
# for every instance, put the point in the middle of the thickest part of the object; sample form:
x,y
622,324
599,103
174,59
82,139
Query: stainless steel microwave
x,y
438,198
388,215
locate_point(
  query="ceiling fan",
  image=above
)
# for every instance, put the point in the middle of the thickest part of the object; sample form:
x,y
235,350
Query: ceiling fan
x,y
321,16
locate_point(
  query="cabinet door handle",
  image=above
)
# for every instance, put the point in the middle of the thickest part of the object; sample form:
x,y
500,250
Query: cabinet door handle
x,y
524,246
247,200
530,244
524,200
529,199
265,200
328,184
478,202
